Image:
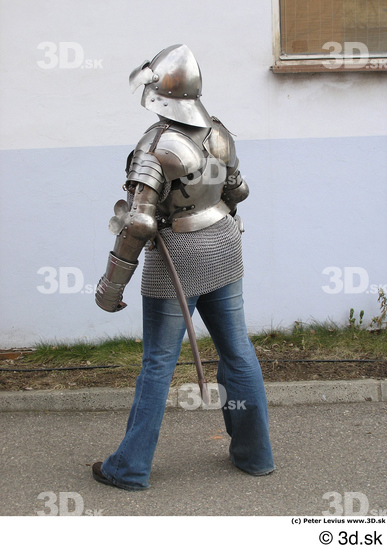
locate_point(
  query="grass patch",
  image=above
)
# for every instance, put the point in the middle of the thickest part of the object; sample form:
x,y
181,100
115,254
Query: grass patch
x,y
111,351
285,355
326,339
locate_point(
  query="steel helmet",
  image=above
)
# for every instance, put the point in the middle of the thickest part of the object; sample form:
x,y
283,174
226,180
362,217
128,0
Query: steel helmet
x,y
173,85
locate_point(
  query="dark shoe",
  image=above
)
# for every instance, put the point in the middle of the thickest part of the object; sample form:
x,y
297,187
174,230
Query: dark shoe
x,y
261,473
268,472
98,475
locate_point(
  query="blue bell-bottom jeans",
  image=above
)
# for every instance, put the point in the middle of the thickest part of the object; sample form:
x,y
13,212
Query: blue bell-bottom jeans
x,y
245,410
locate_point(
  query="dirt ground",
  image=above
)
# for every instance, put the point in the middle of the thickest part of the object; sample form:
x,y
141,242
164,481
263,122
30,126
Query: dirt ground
x,y
276,367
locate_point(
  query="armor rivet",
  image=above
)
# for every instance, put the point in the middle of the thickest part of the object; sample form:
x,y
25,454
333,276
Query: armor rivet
x,y
166,152
193,206
131,223
152,99
126,227
165,103
184,209
124,236
156,87
155,77
169,93
185,95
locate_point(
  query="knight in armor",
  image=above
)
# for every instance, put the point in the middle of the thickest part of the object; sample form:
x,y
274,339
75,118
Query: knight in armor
x,y
183,181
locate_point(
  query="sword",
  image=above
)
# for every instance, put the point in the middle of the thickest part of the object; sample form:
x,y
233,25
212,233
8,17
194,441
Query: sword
x,y
186,314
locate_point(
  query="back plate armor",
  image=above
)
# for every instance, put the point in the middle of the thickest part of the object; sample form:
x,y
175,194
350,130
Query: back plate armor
x,y
195,163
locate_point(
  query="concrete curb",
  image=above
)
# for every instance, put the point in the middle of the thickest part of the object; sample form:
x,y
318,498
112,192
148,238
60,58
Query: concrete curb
x,y
187,396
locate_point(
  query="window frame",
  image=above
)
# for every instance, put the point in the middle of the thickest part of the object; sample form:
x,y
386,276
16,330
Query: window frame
x,y
314,63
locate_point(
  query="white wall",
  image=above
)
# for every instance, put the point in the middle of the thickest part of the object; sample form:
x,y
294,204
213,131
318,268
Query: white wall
x,y
311,146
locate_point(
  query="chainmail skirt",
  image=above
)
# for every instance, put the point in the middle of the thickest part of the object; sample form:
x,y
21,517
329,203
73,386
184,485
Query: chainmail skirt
x,y
205,260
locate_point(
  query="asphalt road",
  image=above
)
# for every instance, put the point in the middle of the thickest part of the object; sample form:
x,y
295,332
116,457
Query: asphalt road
x,y
319,449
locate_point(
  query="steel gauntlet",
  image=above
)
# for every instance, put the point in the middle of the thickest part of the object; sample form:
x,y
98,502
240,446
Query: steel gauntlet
x,y
111,286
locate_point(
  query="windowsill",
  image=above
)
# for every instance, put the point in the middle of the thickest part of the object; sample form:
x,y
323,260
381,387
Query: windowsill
x,y
289,67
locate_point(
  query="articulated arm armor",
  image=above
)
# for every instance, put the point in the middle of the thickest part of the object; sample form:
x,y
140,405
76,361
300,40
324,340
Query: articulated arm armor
x,y
133,229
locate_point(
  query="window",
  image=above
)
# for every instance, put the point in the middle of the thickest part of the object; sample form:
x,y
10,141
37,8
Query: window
x,y
330,35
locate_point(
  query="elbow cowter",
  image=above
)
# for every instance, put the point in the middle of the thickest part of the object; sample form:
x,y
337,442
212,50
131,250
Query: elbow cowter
x,y
140,225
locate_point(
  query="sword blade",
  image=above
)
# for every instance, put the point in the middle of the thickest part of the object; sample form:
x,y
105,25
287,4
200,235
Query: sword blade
x,y
186,314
